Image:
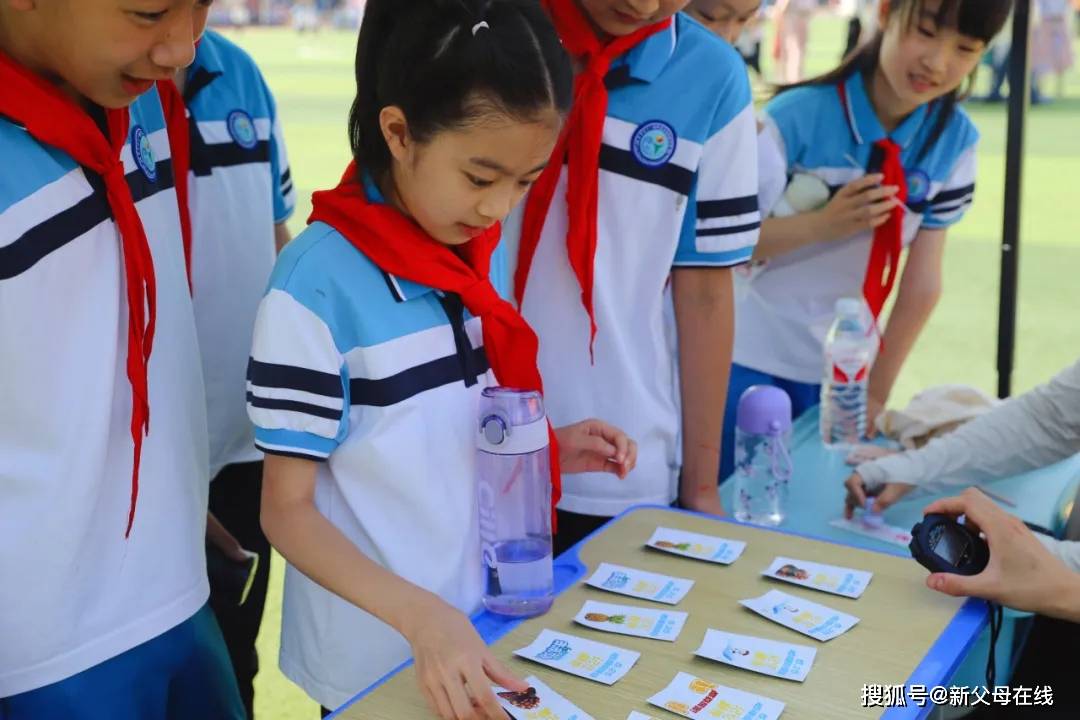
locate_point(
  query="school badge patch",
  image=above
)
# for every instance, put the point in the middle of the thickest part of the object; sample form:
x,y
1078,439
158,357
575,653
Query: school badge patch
x,y
143,153
653,143
242,129
918,186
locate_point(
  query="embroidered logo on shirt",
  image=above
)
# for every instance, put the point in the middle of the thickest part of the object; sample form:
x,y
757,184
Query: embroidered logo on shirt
x,y
143,153
653,143
918,183
242,129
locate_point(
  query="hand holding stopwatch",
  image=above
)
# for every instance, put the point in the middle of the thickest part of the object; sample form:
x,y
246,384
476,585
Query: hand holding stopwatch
x,y
940,544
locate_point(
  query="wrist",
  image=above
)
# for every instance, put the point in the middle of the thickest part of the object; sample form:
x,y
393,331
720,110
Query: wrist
x,y
413,614
1063,601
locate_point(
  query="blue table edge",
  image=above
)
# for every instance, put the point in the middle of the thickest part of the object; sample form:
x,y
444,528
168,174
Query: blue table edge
x,y
936,668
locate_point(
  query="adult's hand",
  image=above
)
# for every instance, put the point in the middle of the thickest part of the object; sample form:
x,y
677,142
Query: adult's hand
x,y
1021,574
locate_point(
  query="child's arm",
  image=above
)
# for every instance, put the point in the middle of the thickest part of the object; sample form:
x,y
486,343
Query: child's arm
x,y
859,206
920,290
452,662
282,236
705,319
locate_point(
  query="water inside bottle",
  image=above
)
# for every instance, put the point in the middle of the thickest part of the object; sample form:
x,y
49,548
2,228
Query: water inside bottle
x,y
523,582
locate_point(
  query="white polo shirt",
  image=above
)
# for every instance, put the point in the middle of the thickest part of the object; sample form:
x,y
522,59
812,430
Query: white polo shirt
x,y
241,188
74,592
365,373
678,188
784,307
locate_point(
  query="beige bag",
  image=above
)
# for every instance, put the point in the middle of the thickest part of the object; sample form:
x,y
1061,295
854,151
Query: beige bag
x,y
933,412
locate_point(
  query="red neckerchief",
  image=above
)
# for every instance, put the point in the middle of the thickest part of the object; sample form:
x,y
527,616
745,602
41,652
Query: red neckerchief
x,y
56,120
888,244
400,247
580,141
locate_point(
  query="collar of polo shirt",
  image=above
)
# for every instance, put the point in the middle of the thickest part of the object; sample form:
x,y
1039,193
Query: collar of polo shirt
x,y
401,288
649,57
864,123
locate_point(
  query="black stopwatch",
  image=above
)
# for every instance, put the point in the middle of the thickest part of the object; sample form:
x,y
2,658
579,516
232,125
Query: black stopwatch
x,y
940,544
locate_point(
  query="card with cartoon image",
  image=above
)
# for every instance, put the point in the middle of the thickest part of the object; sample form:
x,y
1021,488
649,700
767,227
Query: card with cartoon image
x,y
699,547
640,584
826,578
817,621
605,664
693,697
629,620
538,702
790,662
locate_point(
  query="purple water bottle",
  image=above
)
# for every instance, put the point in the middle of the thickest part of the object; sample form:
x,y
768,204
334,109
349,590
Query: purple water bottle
x,y
514,493
762,463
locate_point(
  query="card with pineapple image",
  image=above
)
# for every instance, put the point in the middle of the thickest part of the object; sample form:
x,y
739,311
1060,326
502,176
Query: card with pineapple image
x,y
539,701
699,547
693,697
634,621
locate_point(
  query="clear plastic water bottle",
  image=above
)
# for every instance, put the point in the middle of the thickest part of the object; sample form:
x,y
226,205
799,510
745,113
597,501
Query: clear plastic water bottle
x,y
762,462
514,494
850,348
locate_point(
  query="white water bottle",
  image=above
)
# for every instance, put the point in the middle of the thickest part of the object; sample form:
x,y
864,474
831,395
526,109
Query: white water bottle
x,y
850,348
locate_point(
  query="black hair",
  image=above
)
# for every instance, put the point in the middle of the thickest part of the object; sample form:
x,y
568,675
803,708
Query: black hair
x,y
979,19
434,60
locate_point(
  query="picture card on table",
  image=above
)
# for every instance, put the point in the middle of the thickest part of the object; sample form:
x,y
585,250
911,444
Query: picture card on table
x,y
629,620
592,660
693,697
817,621
640,584
789,662
539,702
826,578
699,547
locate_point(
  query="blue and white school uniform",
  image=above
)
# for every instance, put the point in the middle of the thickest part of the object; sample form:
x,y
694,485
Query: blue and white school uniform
x,y
378,379
785,306
75,592
678,189
241,187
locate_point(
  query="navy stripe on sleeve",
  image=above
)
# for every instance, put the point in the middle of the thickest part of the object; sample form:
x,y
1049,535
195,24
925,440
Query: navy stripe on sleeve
x,y
709,209
288,377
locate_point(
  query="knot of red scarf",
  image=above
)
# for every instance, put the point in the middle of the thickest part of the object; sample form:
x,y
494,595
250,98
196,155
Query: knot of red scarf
x,y
580,145
54,119
888,242
399,246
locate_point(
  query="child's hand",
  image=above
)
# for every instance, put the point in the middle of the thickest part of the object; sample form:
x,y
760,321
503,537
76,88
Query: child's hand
x,y
885,495
454,668
859,206
595,446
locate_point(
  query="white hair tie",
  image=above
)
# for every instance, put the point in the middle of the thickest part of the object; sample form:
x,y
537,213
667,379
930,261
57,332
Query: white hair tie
x,y
480,26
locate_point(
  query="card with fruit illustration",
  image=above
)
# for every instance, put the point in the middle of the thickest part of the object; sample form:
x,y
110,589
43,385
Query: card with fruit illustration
x,y
539,702
603,663
693,697
629,620
640,584
699,547
826,578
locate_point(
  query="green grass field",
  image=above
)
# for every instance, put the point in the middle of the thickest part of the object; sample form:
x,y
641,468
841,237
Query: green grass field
x,y
313,80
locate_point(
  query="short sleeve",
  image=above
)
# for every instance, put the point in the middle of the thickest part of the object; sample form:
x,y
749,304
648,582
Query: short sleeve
x,y
722,221
956,196
772,165
297,389
283,188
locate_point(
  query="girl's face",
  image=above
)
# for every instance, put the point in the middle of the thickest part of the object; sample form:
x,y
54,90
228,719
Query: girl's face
x,y
726,18
923,61
461,182
615,18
